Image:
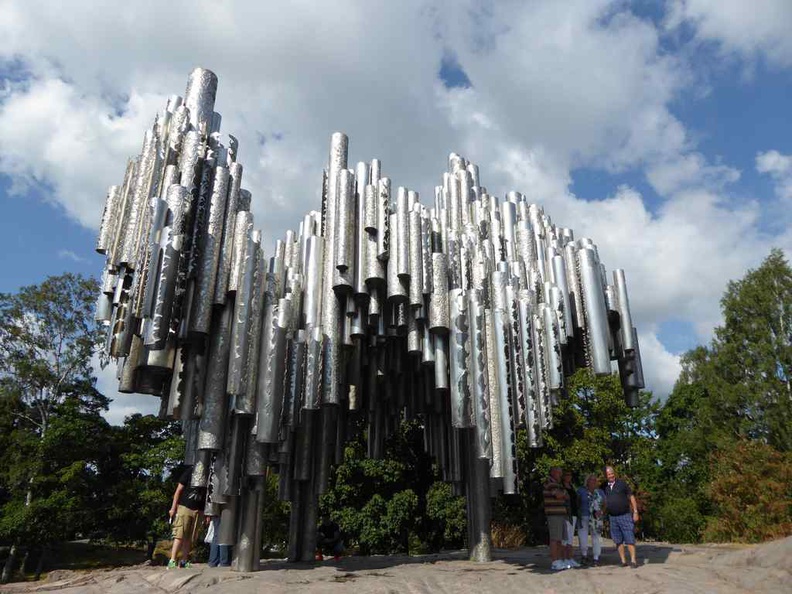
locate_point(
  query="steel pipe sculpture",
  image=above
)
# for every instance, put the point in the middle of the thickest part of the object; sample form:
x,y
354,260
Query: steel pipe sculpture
x,y
466,313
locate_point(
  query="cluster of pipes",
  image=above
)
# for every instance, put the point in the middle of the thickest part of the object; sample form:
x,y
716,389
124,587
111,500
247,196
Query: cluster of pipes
x,y
466,315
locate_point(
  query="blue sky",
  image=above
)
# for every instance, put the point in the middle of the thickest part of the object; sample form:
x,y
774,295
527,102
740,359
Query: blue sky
x,y
660,129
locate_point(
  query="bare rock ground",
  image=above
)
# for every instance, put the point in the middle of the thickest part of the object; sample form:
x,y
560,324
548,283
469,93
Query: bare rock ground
x,y
663,568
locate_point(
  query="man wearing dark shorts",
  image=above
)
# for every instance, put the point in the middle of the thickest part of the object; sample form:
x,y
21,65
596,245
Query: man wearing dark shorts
x,y
622,510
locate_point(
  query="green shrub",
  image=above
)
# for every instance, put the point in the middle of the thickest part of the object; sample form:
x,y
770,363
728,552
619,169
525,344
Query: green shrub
x,y
447,517
680,520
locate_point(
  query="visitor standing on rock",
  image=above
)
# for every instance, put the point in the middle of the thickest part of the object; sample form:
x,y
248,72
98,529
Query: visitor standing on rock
x,y
591,500
572,517
556,501
185,514
622,510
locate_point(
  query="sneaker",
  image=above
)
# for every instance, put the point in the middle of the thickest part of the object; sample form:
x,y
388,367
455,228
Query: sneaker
x,y
558,565
572,563
624,564
634,565
595,563
185,564
172,564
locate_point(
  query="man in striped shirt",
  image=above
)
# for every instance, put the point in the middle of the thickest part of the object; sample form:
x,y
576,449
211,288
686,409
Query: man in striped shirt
x,y
556,507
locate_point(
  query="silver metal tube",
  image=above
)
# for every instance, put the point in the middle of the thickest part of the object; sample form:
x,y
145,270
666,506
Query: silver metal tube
x,y
211,243
398,290
240,335
110,217
312,305
478,374
532,420
243,230
402,226
344,248
145,185
438,300
441,361
626,331
224,264
199,98
561,276
383,218
458,350
360,253
245,401
215,404
596,317
416,259
272,363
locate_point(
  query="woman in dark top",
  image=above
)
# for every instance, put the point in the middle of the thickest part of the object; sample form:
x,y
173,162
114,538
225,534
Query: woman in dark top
x,y
572,516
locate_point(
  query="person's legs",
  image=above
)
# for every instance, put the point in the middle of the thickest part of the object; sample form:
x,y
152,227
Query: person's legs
x,y
214,555
185,550
214,547
225,555
566,541
191,522
179,535
555,550
177,543
583,536
571,525
628,529
618,537
555,530
596,544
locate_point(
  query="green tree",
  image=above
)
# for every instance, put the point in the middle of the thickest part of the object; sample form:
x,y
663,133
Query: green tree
x,y
753,352
47,340
750,493
736,389
140,486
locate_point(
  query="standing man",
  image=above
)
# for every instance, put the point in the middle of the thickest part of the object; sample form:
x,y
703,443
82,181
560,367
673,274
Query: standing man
x,y
556,507
622,509
185,514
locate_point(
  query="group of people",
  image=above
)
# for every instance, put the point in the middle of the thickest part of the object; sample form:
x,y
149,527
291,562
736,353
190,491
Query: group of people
x,y
584,510
186,517
568,510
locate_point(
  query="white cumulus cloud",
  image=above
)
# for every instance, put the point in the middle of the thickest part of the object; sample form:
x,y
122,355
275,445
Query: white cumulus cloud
x,y
751,29
779,167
